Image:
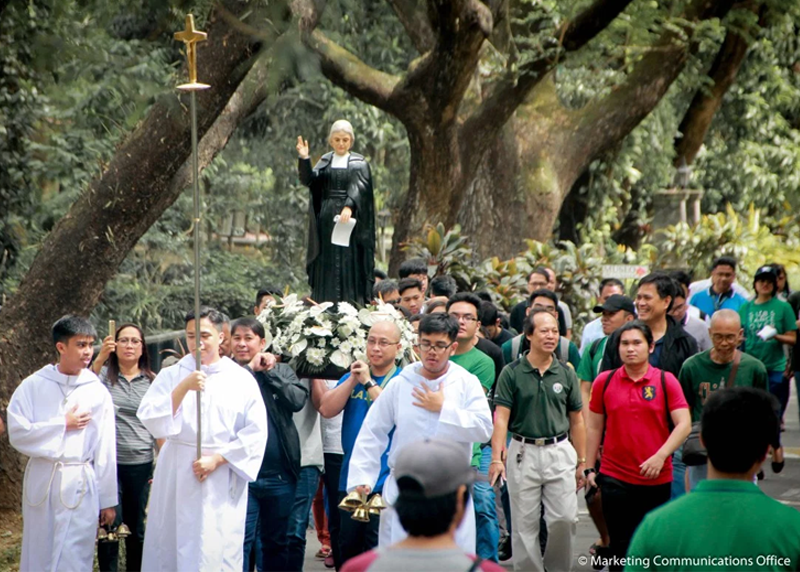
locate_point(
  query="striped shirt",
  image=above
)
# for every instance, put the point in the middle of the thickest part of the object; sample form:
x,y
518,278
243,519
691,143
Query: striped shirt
x,y
134,442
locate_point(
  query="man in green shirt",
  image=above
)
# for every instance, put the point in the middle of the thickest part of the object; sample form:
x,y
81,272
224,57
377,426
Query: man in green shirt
x,y
709,371
727,523
565,351
465,307
538,399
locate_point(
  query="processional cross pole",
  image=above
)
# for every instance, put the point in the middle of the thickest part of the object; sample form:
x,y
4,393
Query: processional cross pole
x,y
190,36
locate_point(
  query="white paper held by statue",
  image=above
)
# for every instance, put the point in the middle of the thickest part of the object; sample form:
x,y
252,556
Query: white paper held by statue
x,y
342,231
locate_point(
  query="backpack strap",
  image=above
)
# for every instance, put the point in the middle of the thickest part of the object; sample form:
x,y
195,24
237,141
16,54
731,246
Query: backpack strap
x,y
563,350
605,386
476,564
670,424
516,342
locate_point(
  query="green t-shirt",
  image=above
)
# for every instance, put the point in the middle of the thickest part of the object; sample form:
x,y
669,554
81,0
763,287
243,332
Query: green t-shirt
x,y
481,366
700,377
732,522
589,368
540,403
775,313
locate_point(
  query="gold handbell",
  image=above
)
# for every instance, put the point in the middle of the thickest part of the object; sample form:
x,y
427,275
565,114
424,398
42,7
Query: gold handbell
x,y
361,514
112,537
123,531
376,504
353,501
102,534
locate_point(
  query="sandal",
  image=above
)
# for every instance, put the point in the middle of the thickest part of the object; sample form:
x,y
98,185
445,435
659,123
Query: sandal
x,y
323,552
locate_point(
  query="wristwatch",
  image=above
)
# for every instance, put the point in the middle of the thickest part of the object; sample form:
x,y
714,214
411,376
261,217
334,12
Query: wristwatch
x,y
587,472
370,384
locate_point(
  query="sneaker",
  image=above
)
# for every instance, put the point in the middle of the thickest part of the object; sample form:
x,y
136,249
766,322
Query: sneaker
x,y
329,562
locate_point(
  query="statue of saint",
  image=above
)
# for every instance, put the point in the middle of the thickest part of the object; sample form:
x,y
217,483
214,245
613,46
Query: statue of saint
x,y
340,184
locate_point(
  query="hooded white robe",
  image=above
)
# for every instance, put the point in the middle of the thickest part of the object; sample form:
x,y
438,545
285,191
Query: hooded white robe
x,y
465,418
194,526
71,475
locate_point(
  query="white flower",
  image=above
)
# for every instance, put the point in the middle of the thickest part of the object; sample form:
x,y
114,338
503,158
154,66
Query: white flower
x,y
321,331
339,359
345,330
335,342
268,338
315,356
360,355
366,317
321,343
315,311
346,347
298,347
291,305
347,309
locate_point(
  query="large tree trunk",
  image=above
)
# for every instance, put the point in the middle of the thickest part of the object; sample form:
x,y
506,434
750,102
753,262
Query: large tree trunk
x,y
145,177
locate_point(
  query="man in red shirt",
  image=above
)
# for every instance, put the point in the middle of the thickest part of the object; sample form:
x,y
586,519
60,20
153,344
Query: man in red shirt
x,y
637,405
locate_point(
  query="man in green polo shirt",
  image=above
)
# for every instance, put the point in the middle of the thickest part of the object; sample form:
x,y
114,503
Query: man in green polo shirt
x,y
710,371
538,400
741,527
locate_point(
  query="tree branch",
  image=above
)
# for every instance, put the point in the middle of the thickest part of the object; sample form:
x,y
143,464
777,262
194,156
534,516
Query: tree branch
x,y
414,18
707,101
351,74
510,92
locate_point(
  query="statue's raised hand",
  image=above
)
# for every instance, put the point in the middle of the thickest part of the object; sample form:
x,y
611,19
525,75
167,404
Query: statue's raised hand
x,y
302,147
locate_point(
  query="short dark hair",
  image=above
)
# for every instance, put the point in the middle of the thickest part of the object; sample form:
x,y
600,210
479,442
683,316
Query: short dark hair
x,y
382,288
611,282
724,261
69,326
488,314
268,290
529,326
250,324
408,284
414,318
424,516
467,297
431,306
484,295
413,266
543,293
540,270
664,285
378,273
214,316
443,286
681,277
737,425
439,324
639,326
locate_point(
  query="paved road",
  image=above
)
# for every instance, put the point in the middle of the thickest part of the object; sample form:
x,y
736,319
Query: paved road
x,y
784,487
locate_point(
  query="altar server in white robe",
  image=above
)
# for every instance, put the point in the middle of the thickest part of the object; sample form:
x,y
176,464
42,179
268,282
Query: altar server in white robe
x,y
197,507
62,418
431,398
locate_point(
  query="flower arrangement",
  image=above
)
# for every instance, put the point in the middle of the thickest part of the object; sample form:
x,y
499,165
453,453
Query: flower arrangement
x,y
322,335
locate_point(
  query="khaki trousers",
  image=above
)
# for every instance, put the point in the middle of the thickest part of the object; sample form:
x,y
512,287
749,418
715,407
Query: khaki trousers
x,y
536,476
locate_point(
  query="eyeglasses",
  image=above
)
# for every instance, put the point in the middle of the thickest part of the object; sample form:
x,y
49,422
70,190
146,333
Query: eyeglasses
x,y
466,317
129,341
427,346
381,343
730,338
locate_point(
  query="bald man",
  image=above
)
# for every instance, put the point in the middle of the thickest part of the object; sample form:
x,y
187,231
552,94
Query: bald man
x,y
354,395
711,370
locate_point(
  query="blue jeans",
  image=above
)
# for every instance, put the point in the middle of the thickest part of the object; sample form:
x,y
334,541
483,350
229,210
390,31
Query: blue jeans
x,y
298,518
487,527
678,473
269,503
779,387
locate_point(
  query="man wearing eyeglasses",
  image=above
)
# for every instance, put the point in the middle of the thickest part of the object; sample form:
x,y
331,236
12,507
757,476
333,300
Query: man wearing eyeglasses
x,y
464,307
354,395
430,398
712,370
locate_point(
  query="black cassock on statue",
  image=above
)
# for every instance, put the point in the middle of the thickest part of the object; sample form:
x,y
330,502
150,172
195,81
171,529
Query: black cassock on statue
x,y
338,273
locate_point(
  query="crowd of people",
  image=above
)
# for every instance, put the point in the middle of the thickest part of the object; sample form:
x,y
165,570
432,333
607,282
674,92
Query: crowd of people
x,y
477,447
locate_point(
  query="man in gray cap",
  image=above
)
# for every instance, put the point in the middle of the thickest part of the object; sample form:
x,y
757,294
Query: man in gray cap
x,y
434,480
